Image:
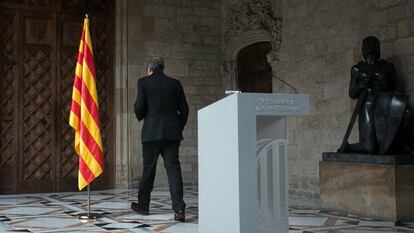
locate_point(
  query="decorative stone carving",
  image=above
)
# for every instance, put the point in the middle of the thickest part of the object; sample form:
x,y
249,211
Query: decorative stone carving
x,y
253,15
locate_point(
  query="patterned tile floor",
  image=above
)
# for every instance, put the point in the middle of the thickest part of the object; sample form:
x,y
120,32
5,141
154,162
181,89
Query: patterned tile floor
x,y
56,212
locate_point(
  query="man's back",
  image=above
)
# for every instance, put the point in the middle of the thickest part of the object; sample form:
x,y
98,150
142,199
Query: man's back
x,y
161,103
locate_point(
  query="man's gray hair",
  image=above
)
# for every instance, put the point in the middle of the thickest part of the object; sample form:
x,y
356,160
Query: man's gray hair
x,y
156,63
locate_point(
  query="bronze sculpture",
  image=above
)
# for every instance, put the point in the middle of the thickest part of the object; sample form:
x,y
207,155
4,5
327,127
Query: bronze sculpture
x,y
383,117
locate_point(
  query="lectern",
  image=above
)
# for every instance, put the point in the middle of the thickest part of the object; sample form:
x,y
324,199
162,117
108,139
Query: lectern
x,y
242,162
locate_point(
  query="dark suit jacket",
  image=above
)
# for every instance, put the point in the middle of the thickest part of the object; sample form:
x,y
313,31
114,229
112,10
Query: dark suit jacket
x,y
162,104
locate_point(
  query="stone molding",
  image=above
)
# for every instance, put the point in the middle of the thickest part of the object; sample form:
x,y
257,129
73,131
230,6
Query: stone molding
x,y
244,39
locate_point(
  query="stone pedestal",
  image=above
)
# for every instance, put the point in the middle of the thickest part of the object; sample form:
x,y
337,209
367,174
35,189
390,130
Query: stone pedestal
x,y
376,186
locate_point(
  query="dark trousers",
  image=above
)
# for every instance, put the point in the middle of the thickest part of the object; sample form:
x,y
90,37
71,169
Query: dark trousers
x,y
169,152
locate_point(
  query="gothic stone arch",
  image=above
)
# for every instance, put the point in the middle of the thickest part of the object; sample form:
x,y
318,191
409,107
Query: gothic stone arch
x,y
248,22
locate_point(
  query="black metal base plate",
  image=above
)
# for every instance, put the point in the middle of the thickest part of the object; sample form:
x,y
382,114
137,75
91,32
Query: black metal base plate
x,y
90,216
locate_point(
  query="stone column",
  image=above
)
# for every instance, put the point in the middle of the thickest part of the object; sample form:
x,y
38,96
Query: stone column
x,y
121,124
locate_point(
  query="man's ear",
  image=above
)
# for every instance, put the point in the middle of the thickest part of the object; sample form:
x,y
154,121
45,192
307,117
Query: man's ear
x,y
149,71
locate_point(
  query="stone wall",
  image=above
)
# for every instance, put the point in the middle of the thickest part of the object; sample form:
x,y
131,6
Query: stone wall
x,y
320,42
186,33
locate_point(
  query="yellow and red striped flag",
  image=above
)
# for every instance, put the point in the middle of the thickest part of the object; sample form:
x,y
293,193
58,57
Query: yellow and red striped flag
x,y
84,113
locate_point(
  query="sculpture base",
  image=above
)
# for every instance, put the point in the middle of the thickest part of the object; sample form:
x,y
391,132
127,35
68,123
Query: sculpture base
x,y
375,186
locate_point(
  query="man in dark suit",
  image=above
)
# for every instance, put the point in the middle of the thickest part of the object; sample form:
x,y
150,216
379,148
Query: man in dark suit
x,y
162,105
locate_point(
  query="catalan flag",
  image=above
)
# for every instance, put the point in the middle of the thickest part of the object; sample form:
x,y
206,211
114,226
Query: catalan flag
x,y
84,113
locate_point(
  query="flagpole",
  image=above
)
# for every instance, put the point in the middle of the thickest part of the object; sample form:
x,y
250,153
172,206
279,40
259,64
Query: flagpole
x,y
75,115
87,216
89,201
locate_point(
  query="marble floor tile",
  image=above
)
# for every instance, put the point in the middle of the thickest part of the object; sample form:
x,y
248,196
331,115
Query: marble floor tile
x,y
141,230
84,197
120,225
16,201
328,228
49,223
303,211
4,227
372,230
111,205
307,221
160,193
57,212
88,229
376,223
182,228
28,211
152,217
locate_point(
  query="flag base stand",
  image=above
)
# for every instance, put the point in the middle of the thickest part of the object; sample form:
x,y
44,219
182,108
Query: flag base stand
x,y
90,215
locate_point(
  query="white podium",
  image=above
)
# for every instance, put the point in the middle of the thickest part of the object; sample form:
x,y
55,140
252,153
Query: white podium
x,y
242,162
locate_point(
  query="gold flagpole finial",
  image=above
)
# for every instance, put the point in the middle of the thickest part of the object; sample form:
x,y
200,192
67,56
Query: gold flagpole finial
x,y
87,16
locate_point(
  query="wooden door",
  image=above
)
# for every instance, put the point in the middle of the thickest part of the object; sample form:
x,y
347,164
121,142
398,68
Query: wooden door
x,y
8,99
253,71
38,58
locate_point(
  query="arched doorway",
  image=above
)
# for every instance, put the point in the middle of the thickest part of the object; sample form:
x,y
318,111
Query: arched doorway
x,y
254,74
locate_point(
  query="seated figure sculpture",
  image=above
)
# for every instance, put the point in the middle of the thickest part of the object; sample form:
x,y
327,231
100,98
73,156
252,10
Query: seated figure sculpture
x,y
383,117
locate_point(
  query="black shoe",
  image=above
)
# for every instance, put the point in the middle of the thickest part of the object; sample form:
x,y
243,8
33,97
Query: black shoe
x,y
179,216
135,207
